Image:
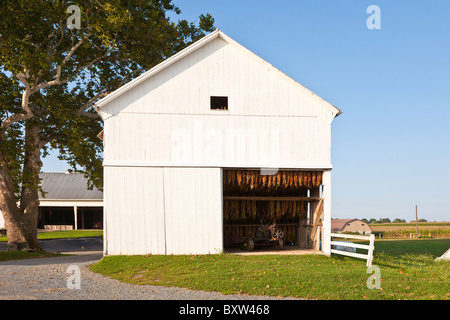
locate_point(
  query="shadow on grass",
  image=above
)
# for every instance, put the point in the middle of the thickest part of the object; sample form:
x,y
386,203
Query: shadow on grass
x,y
17,255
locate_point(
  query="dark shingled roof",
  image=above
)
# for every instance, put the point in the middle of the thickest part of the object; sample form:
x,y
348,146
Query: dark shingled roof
x,y
67,186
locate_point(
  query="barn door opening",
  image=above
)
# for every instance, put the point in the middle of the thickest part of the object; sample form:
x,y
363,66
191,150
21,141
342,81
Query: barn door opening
x,y
257,206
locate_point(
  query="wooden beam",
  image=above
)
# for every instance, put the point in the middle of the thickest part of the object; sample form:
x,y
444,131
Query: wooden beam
x,y
317,215
75,214
417,225
255,198
302,230
258,225
314,192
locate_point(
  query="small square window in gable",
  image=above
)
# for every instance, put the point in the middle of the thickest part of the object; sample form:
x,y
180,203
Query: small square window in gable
x,y
219,103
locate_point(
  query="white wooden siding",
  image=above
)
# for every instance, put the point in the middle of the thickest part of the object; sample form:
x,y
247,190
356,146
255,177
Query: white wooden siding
x,y
217,140
193,210
134,213
162,210
140,124
253,86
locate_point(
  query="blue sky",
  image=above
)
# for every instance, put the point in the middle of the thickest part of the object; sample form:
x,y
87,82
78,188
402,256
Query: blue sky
x,y
391,145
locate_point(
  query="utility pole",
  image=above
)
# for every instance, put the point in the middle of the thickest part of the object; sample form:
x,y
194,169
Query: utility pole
x,y
417,225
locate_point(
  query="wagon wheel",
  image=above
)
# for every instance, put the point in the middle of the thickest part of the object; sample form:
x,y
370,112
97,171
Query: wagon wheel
x,y
249,244
278,234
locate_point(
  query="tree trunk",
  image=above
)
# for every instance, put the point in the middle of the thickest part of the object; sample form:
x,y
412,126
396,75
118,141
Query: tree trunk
x,y
21,222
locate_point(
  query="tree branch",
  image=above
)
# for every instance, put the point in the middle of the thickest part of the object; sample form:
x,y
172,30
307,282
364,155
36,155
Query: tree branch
x,y
92,100
73,49
88,114
126,77
91,63
51,83
82,111
57,79
26,110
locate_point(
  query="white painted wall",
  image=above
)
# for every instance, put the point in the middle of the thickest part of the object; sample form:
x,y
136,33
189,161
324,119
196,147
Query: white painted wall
x,y
2,220
216,140
162,210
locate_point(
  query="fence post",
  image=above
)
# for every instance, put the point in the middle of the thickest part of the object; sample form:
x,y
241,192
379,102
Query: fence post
x,y
370,253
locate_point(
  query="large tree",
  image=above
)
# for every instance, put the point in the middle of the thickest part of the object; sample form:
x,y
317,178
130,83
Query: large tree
x,y
53,70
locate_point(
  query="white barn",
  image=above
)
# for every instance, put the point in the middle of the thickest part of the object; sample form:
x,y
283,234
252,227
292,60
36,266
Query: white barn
x,y
184,144
67,203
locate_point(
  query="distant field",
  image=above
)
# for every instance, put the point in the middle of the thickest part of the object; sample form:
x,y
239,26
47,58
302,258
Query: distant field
x,y
437,230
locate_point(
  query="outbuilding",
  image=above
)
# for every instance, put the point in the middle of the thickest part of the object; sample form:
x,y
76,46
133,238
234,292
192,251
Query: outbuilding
x,y
66,202
207,145
350,226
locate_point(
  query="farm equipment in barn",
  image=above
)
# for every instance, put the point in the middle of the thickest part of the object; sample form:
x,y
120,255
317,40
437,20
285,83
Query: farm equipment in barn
x,y
265,235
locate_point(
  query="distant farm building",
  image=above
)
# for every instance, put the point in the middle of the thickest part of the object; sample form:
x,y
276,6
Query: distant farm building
x,y
68,204
350,225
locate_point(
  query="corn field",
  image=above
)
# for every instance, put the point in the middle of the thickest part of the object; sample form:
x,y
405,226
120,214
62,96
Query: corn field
x,y
436,230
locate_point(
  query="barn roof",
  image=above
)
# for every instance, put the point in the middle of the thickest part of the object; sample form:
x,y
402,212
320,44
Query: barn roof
x,y
339,224
67,186
196,45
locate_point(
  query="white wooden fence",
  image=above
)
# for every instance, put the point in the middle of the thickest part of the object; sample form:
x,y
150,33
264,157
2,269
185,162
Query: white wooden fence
x,y
370,247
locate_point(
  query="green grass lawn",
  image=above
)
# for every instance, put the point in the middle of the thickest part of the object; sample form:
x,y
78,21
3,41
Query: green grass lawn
x,y
408,271
65,234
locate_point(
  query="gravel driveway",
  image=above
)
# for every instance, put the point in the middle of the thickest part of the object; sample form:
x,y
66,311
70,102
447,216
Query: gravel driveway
x,y
49,279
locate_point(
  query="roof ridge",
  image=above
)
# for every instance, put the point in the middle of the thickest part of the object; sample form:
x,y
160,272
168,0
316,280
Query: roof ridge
x,y
181,54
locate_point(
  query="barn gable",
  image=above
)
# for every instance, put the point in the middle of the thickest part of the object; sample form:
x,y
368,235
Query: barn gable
x,y
173,101
215,66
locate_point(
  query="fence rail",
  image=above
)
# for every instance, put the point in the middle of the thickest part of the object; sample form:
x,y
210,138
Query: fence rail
x,y
370,247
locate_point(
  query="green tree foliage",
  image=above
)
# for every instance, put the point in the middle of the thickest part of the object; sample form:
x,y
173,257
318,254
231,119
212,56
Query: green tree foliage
x,y
50,76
